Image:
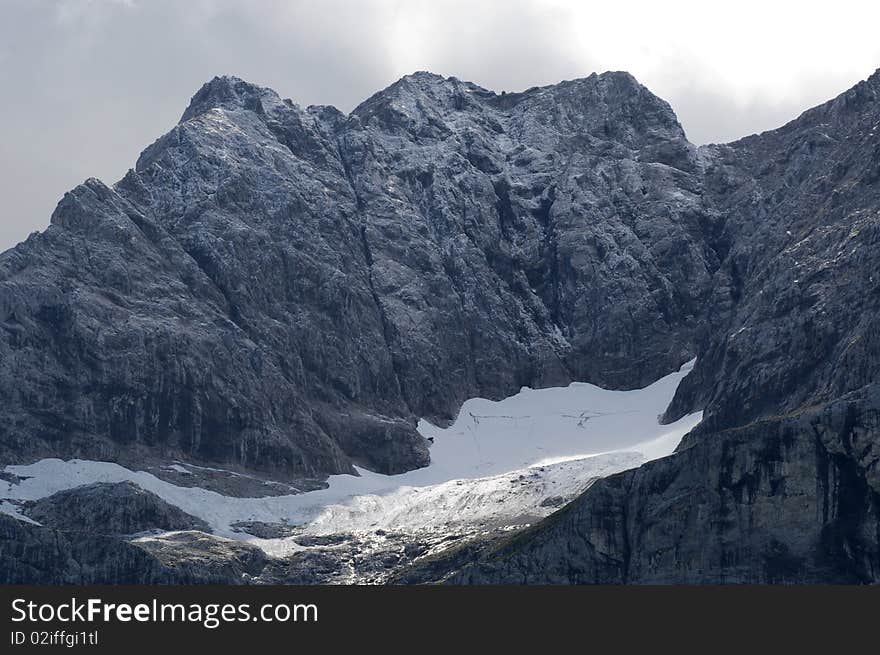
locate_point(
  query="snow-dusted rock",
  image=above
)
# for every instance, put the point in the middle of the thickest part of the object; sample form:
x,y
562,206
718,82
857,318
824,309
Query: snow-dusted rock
x,y
290,289
781,480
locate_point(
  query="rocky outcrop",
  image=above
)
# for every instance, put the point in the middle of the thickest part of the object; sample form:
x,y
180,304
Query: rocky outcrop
x,y
103,508
31,554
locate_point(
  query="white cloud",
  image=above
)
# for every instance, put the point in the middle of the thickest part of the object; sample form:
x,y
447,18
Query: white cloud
x,y
94,81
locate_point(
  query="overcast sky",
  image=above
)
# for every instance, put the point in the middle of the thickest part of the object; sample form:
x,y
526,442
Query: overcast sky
x,y
87,84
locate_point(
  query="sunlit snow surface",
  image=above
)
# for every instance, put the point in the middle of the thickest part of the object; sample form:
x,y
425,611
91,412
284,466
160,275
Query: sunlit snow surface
x,y
501,463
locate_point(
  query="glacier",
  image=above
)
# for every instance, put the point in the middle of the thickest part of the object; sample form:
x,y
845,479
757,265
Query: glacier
x,y
500,465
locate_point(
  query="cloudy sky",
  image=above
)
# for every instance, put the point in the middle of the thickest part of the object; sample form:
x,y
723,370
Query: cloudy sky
x,y
86,84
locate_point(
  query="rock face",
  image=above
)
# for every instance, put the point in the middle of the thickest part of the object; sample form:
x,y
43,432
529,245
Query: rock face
x,y
778,501
781,481
287,290
799,231
111,509
32,554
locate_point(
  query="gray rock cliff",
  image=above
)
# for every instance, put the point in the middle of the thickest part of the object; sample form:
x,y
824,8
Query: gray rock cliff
x,y
781,480
289,289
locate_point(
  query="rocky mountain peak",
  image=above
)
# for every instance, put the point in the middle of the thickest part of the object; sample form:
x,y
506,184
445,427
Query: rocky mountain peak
x,y
227,91
419,104
444,240
612,105
289,291
295,288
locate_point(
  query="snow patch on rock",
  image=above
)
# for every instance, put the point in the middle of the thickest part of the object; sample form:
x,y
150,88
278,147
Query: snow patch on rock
x,y
501,463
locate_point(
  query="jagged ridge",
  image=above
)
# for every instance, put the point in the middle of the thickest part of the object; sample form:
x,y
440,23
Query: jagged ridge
x,y
288,288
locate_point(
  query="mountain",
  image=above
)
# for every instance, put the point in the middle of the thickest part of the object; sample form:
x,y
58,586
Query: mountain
x,y
287,291
781,480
